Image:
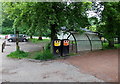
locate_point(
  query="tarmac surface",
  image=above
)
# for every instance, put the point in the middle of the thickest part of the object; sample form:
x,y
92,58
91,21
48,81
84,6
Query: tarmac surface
x,y
25,70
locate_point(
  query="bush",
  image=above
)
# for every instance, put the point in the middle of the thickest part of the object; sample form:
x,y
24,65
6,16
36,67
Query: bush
x,y
117,45
44,55
18,54
48,46
105,46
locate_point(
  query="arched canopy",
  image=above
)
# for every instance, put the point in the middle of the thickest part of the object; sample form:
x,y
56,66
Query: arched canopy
x,y
84,41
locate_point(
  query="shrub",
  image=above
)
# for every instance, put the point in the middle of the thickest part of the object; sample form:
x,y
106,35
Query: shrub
x,y
44,55
48,46
105,46
117,45
18,54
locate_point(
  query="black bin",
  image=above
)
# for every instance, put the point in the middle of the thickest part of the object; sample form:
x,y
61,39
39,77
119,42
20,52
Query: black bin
x,y
65,47
57,47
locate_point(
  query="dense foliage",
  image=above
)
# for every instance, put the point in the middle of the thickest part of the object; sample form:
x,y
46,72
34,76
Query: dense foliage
x,y
46,19
106,21
110,22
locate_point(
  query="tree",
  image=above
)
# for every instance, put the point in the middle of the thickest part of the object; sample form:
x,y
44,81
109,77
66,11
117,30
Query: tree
x,y
94,22
0,18
110,21
106,20
42,17
6,25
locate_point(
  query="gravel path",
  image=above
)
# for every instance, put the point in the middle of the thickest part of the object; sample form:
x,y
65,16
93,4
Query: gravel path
x,y
16,70
102,64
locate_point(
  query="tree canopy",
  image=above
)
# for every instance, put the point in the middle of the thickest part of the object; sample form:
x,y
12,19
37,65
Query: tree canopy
x,y
47,18
110,21
42,17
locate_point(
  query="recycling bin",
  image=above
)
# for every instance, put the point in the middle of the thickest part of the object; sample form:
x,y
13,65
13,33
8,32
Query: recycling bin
x,y
65,47
57,47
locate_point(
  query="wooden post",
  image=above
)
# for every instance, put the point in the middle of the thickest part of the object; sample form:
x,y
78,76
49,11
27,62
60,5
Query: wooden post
x,y
3,46
17,41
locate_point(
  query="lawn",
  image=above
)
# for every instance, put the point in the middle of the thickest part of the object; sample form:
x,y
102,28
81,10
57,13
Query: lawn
x,y
39,41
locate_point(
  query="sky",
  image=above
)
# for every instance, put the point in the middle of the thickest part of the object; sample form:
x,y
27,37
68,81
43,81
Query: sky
x,y
93,12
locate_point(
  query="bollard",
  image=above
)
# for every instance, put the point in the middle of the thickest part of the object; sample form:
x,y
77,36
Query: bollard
x,y
3,46
43,48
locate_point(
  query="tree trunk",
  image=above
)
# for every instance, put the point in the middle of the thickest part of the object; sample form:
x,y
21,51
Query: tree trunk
x,y
40,38
31,37
53,32
17,41
119,40
17,46
111,43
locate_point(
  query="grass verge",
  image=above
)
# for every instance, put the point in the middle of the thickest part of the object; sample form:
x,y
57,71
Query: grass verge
x,y
18,54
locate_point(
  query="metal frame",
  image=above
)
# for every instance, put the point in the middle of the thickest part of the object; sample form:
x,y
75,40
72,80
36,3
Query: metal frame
x,y
84,40
96,40
74,39
89,41
101,42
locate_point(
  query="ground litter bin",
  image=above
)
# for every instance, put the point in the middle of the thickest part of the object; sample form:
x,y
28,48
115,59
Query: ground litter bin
x,y
65,47
57,47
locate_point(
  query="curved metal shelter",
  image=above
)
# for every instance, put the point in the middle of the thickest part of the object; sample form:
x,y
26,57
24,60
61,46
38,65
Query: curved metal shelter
x,y
82,42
